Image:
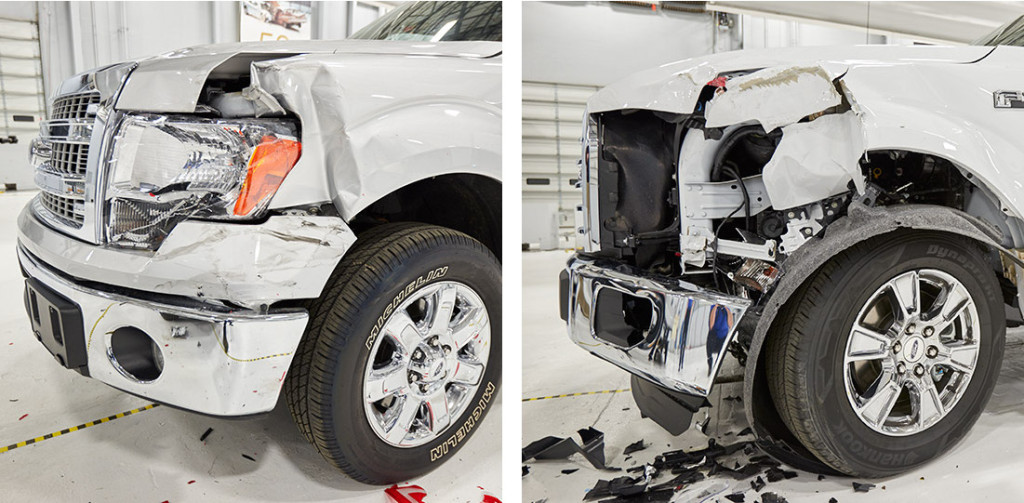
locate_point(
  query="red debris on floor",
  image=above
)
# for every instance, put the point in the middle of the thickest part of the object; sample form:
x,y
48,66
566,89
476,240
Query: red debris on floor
x,y
405,494
22,417
490,499
191,482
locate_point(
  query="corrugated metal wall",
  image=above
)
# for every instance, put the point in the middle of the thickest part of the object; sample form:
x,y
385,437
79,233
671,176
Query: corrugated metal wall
x,y
552,123
22,98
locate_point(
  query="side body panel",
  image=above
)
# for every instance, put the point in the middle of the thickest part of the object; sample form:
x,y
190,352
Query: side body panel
x,y
379,123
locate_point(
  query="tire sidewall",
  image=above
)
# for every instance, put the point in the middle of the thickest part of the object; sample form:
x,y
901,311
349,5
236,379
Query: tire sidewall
x,y
359,444
864,450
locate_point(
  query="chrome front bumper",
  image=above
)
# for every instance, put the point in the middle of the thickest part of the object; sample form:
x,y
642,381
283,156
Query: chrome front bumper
x,y
680,349
223,364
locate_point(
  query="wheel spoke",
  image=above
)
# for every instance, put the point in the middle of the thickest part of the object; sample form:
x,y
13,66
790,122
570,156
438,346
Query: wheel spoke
x,y
398,430
382,383
929,406
437,411
953,302
444,305
467,373
867,344
878,407
403,330
907,290
961,357
476,322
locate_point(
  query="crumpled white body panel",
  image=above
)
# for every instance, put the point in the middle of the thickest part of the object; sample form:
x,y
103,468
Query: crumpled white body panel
x,y
815,160
931,100
376,115
774,97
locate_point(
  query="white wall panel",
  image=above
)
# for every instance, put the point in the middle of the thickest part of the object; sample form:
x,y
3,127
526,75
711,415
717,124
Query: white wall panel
x,y
597,43
552,123
21,90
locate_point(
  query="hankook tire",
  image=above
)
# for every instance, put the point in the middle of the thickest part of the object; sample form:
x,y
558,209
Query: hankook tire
x,y
888,354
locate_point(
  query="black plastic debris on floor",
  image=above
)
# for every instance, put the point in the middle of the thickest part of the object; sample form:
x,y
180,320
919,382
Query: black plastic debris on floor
x,y
202,438
250,458
862,487
526,469
772,498
669,472
634,447
568,471
561,448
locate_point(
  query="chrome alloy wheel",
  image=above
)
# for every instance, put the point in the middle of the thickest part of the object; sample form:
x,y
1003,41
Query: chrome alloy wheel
x,y
426,364
911,352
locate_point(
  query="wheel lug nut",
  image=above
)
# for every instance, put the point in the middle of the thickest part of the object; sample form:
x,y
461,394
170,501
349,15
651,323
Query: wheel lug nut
x,y
919,370
447,350
433,342
932,352
413,377
928,331
417,355
901,368
910,329
897,347
423,388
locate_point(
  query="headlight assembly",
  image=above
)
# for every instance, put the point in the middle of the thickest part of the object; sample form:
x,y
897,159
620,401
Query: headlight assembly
x,y
165,169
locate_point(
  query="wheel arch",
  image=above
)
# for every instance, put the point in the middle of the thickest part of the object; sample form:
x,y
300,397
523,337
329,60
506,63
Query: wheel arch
x,y
861,224
465,202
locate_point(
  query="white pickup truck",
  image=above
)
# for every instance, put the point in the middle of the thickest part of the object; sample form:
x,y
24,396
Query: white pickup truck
x,y
219,223
847,222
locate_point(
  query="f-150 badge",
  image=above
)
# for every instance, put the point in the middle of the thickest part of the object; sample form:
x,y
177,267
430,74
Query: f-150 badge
x,y
1008,99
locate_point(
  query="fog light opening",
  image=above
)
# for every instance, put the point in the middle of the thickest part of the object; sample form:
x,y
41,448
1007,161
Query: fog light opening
x,y
135,355
621,318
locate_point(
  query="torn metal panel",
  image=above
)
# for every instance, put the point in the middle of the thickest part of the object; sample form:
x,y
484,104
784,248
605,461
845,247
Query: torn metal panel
x,y
815,160
774,97
172,82
286,257
366,121
674,87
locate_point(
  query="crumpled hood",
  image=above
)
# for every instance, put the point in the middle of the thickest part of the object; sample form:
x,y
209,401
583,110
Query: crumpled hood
x,y
171,82
674,87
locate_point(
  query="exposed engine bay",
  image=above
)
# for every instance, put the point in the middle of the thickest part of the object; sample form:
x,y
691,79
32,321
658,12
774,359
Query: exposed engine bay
x,y
737,200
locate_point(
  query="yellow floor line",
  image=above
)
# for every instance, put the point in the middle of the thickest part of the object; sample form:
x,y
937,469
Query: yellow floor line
x,y
576,394
76,428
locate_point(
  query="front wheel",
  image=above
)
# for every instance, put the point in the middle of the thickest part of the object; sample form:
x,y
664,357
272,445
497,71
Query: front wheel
x,y
402,356
886,357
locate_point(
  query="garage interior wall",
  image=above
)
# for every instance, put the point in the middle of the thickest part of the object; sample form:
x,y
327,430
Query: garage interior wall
x,y
77,36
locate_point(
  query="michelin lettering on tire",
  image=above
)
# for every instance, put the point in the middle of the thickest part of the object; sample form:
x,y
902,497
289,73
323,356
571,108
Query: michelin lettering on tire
x,y
485,399
402,294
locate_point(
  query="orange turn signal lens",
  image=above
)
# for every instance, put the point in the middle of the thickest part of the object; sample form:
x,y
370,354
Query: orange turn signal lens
x,y
271,161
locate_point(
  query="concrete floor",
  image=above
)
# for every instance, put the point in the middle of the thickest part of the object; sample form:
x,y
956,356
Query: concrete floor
x,y
156,454
987,464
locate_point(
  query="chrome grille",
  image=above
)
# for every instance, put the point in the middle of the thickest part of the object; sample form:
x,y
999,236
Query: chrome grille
x,y
65,153
71,211
69,158
74,106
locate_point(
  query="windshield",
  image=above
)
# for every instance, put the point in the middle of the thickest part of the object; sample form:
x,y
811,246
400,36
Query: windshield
x,y
437,22
1011,33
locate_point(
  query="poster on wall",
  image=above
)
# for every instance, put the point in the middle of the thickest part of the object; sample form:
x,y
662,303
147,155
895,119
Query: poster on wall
x,y
274,20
